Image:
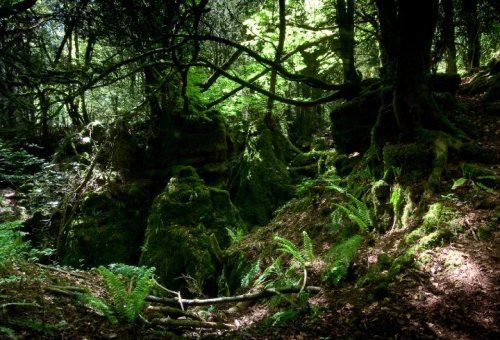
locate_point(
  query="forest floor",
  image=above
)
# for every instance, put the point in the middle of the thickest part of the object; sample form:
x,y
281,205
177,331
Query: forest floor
x,y
454,294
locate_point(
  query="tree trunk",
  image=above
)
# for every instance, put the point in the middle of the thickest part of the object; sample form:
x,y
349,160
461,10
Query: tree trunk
x,y
415,21
345,21
387,13
449,37
268,118
473,34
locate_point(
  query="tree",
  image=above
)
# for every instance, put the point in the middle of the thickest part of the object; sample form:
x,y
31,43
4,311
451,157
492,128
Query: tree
x,y
469,12
345,21
407,51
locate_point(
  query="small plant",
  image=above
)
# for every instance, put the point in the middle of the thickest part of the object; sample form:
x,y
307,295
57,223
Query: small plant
x,y
355,210
11,240
128,298
396,200
300,256
99,305
235,235
341,257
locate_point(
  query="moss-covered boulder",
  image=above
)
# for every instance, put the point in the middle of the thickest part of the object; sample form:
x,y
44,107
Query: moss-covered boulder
x,y
181,220
413,161
263,182
108,227
199,139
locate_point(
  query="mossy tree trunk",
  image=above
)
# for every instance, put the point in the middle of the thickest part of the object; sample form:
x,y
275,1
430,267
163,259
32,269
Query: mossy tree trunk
x,y
345,21
410,60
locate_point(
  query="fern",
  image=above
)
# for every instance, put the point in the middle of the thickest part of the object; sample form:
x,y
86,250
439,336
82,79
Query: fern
x,y
274,269
357,212
129,304
252,273
98,304
289,247
308,247
341,257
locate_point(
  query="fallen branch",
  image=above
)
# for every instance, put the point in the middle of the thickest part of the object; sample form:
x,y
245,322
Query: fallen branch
x,y
172,311
192,323
20,304
232,299
81,276
62,291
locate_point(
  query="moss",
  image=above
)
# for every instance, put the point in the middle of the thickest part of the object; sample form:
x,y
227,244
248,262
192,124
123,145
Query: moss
x,y
263,182
437,218
180,221
109,227
414,160
313,163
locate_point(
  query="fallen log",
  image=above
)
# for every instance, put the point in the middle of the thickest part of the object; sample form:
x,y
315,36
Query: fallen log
x,y
233,299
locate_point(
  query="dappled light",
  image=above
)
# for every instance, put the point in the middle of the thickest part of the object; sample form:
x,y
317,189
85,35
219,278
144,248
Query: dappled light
x,y
241,169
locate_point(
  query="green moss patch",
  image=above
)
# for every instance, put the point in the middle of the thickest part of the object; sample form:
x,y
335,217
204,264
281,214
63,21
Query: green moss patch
x,y
180,221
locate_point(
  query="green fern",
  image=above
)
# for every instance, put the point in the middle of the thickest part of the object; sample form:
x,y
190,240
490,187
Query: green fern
x,y
275,270
128,304
341,257
289,247
252,273
308,247
99,305
357,212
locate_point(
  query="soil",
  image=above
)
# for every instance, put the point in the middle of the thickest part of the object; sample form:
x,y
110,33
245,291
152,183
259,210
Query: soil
x,y
454,292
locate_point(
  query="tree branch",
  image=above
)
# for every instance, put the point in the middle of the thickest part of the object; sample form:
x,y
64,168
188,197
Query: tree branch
x,y
233,299
213,78
311,81
344,91
20,7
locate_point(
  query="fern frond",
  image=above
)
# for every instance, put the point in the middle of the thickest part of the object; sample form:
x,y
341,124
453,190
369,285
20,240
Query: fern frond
x,y
289,247
99,305
273,269
308,247
247,279
129,305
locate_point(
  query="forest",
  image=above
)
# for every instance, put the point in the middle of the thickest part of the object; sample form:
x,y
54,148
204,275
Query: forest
x,y
249,169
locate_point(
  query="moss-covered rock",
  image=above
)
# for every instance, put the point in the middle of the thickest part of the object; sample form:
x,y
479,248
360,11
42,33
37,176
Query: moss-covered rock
x,y
263,182
109,226
413,160
199,140
434,230
181,219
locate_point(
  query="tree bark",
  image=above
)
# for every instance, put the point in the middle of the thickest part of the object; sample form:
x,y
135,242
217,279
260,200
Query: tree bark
x,y
268,118
414,105
345,21
473,34
449,37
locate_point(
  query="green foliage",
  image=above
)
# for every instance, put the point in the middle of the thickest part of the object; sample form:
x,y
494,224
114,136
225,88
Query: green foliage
x,y
283,316
340,258
236,234
11,240
99,305
357,212
16,165
128,304
251,274
290,248
308,247
8,332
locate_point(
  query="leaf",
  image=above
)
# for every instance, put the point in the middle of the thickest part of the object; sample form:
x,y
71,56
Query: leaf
x,y
458,183
308,247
